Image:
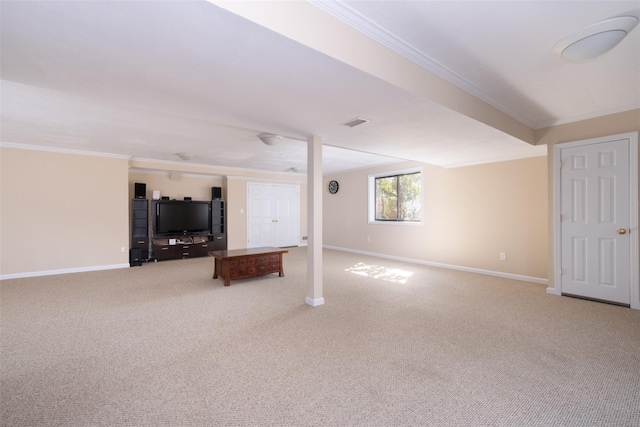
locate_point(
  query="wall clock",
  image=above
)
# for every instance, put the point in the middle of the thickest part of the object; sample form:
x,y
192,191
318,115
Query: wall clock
x,y
333,187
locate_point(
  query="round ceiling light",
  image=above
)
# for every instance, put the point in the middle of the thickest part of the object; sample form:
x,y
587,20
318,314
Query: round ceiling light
x,y
596,39
270,138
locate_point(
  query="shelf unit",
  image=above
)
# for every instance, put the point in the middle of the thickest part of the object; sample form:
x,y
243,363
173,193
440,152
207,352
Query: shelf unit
x,y
217,217
139,251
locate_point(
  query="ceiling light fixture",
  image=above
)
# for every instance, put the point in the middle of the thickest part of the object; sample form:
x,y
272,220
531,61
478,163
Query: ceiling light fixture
x,y
185,156
270,138
596,39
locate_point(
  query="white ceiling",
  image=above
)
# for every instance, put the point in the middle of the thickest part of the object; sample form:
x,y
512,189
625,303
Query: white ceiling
x,y
152,79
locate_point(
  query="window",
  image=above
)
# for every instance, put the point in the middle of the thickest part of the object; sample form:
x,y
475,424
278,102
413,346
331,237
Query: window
x,y
396,197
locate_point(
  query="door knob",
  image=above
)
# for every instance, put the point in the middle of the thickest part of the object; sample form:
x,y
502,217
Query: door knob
x,y
622,231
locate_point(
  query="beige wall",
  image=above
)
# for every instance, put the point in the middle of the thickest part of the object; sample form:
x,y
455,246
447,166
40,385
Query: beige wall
x,y
62,212
176,186
237,213
471,214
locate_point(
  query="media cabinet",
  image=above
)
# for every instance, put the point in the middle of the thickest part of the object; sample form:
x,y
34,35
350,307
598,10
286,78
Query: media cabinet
x,y
147,247
164,251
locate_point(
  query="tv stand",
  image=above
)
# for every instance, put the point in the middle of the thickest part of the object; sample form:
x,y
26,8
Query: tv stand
x,y
199,247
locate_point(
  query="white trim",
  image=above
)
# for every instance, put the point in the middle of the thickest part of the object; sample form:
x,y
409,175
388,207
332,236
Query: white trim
x,y
297,180
587,116
633,226
634,275
216,170
314,302
521,278
542,152
62,150
557,280
553,291
166,172
62,271
397,223
404,171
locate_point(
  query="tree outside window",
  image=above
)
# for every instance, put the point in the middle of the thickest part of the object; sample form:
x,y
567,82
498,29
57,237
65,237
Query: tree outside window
x,y
398,197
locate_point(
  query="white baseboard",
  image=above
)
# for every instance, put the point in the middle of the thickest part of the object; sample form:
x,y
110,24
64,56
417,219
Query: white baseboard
x,y
553,291
62,271
448,266
314,302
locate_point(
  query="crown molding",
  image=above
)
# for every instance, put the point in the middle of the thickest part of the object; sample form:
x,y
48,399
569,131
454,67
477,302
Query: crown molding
x,y
62,150
542,152
587,116
216,170
348,15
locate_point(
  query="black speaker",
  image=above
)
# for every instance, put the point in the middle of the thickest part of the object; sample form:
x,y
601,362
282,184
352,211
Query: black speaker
x,y
141,191
135,257
216,193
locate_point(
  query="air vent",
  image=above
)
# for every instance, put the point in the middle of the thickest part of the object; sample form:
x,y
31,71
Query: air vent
x,y
356,122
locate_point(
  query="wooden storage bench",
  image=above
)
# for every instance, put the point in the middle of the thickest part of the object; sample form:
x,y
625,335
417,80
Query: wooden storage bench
x,y
245,263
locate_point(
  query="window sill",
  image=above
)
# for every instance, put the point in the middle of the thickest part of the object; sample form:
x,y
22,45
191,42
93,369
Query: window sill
x,y
403,223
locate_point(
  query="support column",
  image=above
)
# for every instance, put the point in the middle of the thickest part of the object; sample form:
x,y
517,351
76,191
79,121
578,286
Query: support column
x,y
314,221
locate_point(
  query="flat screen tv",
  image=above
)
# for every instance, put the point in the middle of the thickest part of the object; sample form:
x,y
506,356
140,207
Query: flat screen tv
x,y
177,217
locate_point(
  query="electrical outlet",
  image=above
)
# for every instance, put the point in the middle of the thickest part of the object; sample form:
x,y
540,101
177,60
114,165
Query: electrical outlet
x,y
503,256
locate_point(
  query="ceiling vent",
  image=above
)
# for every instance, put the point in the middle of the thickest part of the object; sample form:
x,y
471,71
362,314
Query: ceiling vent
x,y
356,122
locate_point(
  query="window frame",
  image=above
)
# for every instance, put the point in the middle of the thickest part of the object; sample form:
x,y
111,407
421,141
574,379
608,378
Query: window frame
x,y
372,196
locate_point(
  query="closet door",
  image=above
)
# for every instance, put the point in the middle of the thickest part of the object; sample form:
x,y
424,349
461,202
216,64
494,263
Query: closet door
x,y
287,224
273,215
260,215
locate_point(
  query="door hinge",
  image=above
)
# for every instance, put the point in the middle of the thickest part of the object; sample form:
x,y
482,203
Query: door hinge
x,y
560,164
561,272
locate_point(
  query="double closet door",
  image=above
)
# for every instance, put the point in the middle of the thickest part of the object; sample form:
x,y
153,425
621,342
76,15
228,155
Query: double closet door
x,y
273,215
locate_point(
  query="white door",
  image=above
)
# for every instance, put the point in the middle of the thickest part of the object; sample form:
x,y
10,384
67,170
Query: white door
x,y
595,221
261,212
287,224
273,215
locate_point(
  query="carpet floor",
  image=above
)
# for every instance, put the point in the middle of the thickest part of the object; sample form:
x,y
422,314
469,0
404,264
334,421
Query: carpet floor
x,y
395,344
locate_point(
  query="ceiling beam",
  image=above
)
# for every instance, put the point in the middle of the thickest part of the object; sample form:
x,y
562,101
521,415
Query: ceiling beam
x,y
306,24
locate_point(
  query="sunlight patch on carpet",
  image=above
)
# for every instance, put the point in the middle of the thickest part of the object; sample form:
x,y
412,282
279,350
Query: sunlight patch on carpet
x,y
393,275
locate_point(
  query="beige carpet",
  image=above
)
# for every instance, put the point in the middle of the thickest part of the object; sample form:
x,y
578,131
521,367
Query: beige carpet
x,y
395,345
